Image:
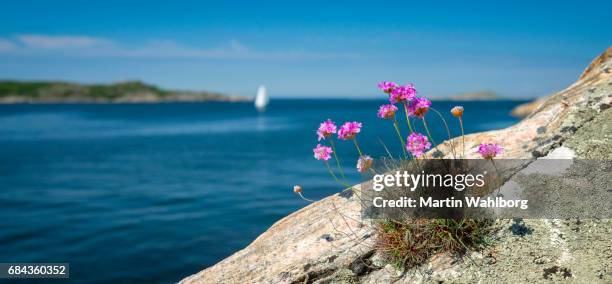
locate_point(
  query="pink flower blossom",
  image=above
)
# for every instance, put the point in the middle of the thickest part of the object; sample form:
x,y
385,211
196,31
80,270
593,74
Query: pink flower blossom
x,y
322,152
326,129
419,107
387,111
489,150
402,94
417,144
387,87
349,130
364,163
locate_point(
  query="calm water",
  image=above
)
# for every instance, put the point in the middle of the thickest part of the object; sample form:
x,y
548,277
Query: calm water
x,y
154,193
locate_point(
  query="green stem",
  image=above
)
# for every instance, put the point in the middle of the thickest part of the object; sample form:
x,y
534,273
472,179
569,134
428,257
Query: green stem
x,y
333,145
462,135
407,117
399,135
450,136
334,176
429,134
357,146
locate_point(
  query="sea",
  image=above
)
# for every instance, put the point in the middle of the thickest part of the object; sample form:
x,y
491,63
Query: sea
x,y
152,193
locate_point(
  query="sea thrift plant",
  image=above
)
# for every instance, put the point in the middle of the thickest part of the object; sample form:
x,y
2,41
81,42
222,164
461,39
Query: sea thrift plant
x,y
387,111
364,163
326,129
417,144
427,237
349,130
489,151
322,152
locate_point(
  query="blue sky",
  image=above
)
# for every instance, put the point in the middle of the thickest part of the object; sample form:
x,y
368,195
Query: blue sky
x,y
307,48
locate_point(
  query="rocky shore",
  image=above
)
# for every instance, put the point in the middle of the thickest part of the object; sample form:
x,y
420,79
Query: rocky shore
x,y
317,245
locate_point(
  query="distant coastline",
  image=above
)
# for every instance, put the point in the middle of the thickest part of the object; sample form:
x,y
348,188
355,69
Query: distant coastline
x,y
474,96
19,92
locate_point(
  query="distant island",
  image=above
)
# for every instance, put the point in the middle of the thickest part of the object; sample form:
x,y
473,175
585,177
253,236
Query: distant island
x,y
12,92
472,96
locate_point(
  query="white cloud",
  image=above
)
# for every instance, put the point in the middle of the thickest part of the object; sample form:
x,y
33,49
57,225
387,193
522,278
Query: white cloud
x,y
87,46
59,42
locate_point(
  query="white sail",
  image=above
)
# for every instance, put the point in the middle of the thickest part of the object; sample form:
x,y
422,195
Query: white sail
x,y
261,100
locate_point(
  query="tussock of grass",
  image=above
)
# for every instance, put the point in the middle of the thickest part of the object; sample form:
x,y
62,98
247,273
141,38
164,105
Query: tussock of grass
x,y
411,243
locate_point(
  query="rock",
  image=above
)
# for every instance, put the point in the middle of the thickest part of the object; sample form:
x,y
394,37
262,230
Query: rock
x,y
524,110
577,118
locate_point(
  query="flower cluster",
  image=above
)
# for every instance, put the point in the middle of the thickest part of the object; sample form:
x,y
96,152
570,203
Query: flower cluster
x,y
364,163
387,111
387,87
489,150
407,94
322,152
326,129
402,94
417,144
349,130
419,107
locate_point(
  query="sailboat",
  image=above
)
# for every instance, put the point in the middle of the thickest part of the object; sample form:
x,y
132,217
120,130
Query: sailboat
x,y
261,100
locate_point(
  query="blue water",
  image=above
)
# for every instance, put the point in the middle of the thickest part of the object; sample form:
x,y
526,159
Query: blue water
x,y
155,192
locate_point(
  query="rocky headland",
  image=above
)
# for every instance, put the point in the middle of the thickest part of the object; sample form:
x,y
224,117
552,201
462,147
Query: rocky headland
x,y
12,92
318,245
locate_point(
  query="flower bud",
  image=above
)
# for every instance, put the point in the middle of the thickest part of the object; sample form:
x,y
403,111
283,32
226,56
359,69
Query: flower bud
x,y
297,189
457,111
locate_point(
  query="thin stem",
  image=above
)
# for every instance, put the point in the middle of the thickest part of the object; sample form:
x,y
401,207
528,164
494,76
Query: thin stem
x,y
407,117
386,149
450,136
399,135
302,196
333,175
462,135
333,145
357,146
428,133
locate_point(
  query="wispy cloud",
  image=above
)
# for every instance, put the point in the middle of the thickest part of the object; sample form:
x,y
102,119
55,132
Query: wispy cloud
x,y
87,46
63,41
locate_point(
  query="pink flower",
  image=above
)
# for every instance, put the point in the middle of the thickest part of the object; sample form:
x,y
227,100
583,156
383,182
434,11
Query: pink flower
x,y
326,129
387,111
322,152
349,130
364,163
489,150
387,87
419,107
417,144
402,94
